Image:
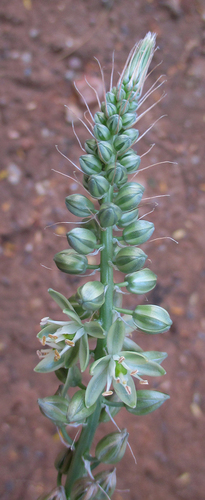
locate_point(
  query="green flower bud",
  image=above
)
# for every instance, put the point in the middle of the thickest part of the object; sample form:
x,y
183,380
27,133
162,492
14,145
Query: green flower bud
x,y
84,489
91,295
78,308
77,411
132,133
116,174
101,132
71,262
99,117
109,109
141,282
110,97
79,205
93,226
151,319
90,164
129,196
56,493
63,460
128,217
148,401
131,161
105,151
109,214
91,146
121,143
107,481
82,240
138,232
128,119
111,448
122,107
129,260
55,408
133,106
120,94
98,186
114,124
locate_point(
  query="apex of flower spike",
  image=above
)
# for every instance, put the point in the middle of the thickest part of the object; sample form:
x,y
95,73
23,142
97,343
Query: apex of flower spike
x,y
137,64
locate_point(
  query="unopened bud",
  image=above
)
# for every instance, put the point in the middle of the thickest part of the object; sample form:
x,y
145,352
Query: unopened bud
x,y
151,319
128,217
122,106
128,119
82,240
138,232
78,308
91,295
111,448
98,186
93,226
63,460
70,262
91,146
109,214
79,205
121,94
77,411
116,174
141,282
110,97
131,161
90,164
55,408
99,117
101,132
84,489
129,260
122,143
105,151
107,481
114,124
129,196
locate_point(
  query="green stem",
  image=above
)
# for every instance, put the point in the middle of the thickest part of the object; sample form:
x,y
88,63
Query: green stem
x,y
123,311
124,283
106,278
77,468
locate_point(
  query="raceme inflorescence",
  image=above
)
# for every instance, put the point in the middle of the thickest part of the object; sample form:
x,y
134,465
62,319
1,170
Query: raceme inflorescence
x,y
96,330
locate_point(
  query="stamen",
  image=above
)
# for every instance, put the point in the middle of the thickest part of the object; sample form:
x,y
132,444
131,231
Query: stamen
x,y
69,342
144,382
52,336
107,393
128,389
43,340
57,355
121,359
134,372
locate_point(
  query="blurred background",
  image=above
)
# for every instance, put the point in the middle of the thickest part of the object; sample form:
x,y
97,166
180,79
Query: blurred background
x,y
45,46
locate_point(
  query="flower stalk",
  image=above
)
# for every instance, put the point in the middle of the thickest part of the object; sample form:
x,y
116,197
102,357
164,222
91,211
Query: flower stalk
x,y
112,229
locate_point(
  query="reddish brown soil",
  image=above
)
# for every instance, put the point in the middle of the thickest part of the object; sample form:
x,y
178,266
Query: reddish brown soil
x,y
44,47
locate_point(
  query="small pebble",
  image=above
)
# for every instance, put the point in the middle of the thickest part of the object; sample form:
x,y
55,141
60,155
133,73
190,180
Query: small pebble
x,y
14,174
34,33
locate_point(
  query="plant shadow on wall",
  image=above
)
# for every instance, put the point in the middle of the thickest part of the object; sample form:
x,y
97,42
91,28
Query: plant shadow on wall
x,y
97,330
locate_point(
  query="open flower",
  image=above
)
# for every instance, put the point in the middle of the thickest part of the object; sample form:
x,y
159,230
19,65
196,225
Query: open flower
x,y
118,367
